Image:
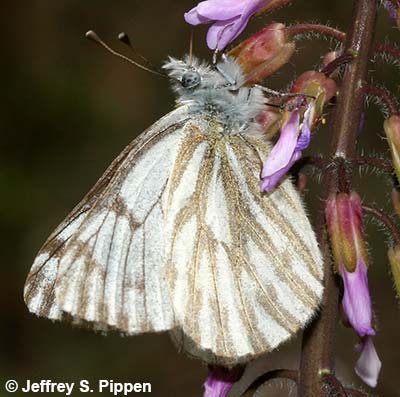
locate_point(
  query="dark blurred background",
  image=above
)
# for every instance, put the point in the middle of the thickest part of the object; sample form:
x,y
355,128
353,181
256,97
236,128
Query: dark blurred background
x,y
67,109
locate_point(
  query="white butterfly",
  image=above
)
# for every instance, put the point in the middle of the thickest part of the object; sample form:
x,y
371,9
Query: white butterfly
x,y
176,235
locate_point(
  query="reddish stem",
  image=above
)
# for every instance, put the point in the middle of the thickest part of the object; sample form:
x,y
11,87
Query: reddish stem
x,y
316,28
318,341
337,34
275,374
337,63
385,96
382,164
388,50
385,219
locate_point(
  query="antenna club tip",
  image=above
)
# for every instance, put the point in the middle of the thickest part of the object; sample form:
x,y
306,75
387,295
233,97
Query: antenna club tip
x,y
90,34
124,38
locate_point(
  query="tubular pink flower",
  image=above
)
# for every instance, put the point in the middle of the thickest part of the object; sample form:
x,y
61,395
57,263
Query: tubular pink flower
x,y
288,149
368,365
344,219
229,18
357,300
220,380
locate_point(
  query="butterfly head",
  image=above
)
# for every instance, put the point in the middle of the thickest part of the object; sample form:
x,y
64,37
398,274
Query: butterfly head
x,y
191,79
215,91
188,75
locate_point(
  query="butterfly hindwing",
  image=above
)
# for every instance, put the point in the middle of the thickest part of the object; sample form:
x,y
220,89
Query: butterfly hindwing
x,y
245,269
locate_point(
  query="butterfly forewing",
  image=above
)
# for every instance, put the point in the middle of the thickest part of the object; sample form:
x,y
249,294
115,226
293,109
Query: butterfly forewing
x,y
104,263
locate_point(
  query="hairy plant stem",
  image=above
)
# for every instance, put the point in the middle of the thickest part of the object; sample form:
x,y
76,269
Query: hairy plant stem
x,y
317,358
385,220
385,96
304,28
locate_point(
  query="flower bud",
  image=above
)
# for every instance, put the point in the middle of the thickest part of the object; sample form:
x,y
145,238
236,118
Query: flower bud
x,y
317,85
392,130
344,218
264,53
394,259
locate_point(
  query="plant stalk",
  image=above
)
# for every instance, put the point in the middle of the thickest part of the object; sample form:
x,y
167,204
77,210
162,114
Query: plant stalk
x,y
317,357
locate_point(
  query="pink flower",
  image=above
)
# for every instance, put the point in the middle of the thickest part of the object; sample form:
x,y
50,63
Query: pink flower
x,y
288,148
368,365
344,218
229,18
357,300
220,380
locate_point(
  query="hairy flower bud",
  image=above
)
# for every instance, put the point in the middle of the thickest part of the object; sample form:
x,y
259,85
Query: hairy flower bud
x,y
344,218
394,259
264,53
392,130
317,85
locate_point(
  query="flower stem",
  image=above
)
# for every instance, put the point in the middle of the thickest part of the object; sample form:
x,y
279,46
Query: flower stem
x,y
384,96
337,63
318,341
385,219
324,30
382,164
387,49
275,374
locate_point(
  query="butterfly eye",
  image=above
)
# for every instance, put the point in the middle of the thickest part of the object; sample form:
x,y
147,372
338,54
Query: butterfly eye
x,y
191,79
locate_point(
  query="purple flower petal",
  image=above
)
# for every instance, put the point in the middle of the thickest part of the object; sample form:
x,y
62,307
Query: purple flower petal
x,y
220,380
219,34
230,16
368,365
194,18
269,182
305,137
221,10
357,300
283,150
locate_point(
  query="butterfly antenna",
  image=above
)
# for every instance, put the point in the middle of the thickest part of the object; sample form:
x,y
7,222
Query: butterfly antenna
x,y
124,38
94,37
191,48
